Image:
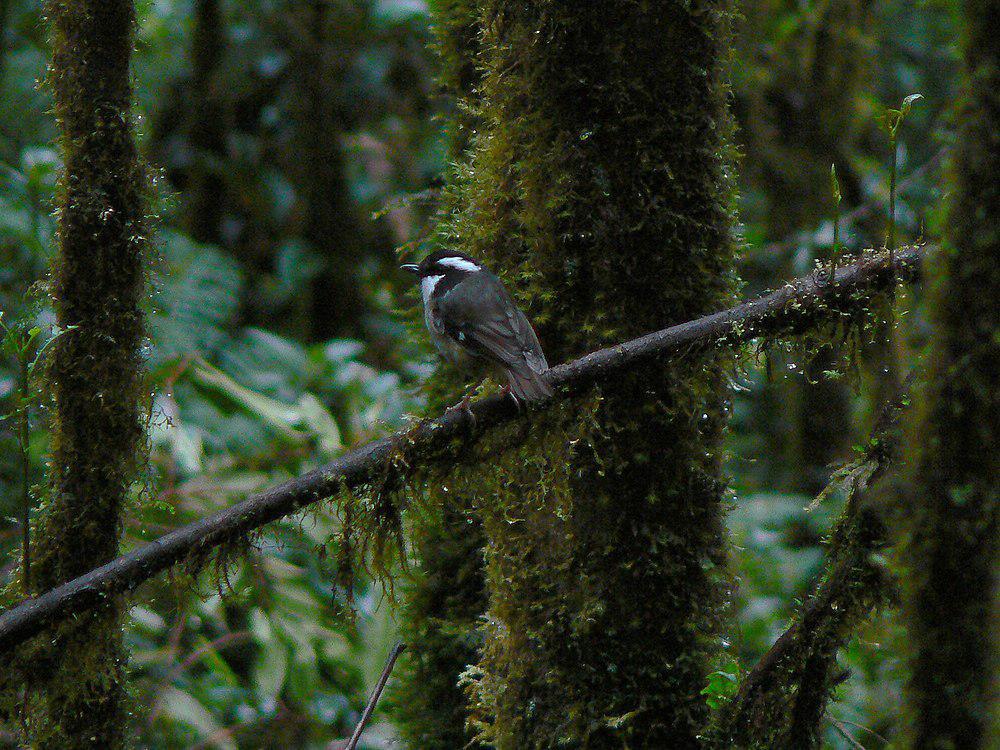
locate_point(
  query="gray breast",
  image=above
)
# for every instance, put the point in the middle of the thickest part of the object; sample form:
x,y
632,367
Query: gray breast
x,y
451,350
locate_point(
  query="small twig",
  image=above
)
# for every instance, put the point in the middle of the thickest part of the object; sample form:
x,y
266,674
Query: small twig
x,y
376,694
842,731
863,728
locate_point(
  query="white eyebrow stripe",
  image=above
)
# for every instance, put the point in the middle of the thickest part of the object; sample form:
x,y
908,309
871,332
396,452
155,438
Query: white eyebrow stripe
x,y
459,264
427,284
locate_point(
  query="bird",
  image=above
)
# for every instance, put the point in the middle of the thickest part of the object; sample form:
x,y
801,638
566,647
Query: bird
x,y
475,324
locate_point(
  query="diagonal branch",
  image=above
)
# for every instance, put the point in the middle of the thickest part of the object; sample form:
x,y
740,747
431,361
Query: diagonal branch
x,y
782,700
797,306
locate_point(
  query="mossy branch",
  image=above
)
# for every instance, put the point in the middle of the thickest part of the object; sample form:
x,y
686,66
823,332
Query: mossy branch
x,y
781,701
798,306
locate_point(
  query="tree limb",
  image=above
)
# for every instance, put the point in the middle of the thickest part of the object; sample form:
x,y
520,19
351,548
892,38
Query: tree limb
x,y
795,307
781,701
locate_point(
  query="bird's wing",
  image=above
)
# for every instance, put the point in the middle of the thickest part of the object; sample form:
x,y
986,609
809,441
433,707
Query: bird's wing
x,y
479,314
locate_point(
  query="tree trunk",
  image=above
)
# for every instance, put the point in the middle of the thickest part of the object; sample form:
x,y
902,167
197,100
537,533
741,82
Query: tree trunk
x,y
444,605
335,302
205,188
951,518
95,370
598,187
801,110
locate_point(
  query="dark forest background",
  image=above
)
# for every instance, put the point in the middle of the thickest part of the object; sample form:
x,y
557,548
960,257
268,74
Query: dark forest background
x,y
299,151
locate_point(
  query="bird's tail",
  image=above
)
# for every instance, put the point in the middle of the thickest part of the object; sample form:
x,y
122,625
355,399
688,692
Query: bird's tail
x,y
527,384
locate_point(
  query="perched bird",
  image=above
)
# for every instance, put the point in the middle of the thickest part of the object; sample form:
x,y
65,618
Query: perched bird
x,y
475,324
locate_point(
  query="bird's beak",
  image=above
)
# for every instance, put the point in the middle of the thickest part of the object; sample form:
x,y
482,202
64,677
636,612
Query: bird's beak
x,y
410,268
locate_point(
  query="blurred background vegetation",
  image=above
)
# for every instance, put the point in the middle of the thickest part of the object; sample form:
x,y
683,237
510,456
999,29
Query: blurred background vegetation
x,y
297,149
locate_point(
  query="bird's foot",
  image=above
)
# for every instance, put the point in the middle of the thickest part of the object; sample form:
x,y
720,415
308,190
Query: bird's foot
x,y
465,407
506,391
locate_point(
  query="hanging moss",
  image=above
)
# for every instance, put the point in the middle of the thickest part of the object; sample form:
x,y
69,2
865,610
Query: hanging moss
x,y
74,678
597,186
950,520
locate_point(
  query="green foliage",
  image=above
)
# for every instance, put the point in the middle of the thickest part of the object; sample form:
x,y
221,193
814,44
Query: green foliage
x,y
74,696
721,688
276,639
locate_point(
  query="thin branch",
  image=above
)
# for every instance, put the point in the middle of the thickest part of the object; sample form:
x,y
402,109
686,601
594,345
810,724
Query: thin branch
x,y
862,211
842,731
792,308
376,694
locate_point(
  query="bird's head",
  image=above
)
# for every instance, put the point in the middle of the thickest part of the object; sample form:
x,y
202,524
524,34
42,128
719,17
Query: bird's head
x,y
443,263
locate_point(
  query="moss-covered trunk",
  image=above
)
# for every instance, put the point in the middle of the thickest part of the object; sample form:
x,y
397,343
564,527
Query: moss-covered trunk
x,y
598,187
951,519
447,599
98,287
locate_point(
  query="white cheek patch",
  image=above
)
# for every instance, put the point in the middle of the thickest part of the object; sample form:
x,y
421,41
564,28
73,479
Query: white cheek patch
x,y
459,264
427,284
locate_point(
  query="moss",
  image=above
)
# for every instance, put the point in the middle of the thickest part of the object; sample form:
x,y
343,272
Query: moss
x,y
949,520
597,185
75,676
444,604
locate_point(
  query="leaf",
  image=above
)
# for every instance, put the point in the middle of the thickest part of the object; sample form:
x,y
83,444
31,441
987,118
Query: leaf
x,y
908,102
320,422
187,709
44,348
278,415
720,688
272,663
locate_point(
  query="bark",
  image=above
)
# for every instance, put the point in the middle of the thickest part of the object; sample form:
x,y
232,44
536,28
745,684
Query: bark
x,y
335,303
205,188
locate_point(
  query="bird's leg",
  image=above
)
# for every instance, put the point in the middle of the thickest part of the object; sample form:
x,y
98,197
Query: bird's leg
x,y
506,391
465,405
